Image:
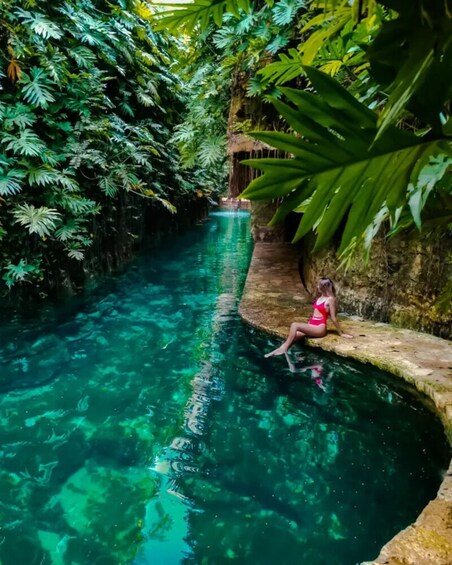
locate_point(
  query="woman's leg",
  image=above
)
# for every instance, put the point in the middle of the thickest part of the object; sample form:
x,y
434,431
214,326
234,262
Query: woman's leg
x,y
297,331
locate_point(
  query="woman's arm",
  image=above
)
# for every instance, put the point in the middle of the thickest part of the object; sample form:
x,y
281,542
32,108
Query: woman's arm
x,y
332,305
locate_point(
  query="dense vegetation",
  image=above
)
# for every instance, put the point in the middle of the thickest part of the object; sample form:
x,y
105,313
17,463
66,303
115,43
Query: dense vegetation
x,y
98,100
369,131
88,106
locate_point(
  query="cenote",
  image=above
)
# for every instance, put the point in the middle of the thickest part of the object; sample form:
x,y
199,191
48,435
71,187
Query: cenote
x,y
141,424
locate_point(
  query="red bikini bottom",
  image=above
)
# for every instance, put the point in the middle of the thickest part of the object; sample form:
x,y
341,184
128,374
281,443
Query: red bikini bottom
x,y
316,322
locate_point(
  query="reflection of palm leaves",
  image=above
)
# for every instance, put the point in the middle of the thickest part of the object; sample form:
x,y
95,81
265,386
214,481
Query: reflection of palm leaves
x,y
337,165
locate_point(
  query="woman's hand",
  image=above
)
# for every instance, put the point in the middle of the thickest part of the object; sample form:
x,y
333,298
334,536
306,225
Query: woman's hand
x,y
348,336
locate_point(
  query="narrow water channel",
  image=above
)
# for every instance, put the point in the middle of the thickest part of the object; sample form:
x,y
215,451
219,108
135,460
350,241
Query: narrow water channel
x,y
141,424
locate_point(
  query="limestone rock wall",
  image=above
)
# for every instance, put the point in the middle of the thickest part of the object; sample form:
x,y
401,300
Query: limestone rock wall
x,y
402,282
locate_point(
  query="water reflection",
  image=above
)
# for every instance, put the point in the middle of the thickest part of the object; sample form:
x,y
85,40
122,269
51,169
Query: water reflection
x,y
251,459
319,376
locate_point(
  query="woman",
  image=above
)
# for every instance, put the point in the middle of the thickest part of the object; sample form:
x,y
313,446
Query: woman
x,y
324,306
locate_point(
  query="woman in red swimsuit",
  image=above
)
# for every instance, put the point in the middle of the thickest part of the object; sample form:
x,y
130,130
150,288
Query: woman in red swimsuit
x,y
324,306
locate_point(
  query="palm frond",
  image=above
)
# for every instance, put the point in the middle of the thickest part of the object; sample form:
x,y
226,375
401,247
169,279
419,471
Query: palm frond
x,y
187,16
348,176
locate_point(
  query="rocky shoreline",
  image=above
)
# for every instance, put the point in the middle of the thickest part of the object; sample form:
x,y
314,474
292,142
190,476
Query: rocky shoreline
x,y
273,297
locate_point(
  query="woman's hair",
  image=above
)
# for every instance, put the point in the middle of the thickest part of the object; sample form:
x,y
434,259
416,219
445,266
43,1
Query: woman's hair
x,y
326,286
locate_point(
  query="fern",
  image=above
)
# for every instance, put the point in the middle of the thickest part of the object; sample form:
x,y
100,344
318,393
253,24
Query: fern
x,y
225,37
56,66
18,115
188,16
212,150
76,254
68,230
51,158
127,109
144,98
108,186
287,68
77,205
278,43
37,220
41,176
166,204
83,56
46,175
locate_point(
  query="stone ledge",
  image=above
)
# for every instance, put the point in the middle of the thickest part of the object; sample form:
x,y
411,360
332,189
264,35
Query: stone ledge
x,y
274,297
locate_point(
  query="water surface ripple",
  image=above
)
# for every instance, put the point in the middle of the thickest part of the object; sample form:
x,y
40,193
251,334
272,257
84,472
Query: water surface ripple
x,y
140,424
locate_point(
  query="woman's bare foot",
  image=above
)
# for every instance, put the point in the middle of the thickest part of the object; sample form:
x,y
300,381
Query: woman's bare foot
x,y
279,351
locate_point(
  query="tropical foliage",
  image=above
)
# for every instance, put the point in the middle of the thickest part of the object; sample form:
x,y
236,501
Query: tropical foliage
x,y
200,138
97,100
88,103
370,145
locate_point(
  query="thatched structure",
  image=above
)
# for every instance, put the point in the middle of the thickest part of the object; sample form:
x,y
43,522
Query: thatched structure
x,y
241,147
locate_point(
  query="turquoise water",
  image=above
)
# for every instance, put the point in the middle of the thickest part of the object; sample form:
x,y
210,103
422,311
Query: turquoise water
x,y
141,424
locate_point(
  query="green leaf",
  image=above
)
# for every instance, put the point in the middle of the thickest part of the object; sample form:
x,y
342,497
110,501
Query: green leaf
x,y
39,24
187,16
316,40
22,272
41,221
407,81
340,99
356,189
37,89
10,182
27,143
287,68
271,186
293,145
292,202
310,129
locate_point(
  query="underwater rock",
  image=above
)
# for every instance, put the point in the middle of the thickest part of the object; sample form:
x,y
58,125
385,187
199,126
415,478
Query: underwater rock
x,y
26,552
54,545
107,505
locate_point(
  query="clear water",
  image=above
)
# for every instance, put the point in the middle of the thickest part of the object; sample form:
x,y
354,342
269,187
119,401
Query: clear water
x,y
140,424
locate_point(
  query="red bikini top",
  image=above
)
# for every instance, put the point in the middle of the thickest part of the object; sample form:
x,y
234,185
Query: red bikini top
x,y
321,307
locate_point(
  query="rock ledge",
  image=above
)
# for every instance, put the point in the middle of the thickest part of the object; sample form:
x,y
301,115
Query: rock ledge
x,y
274,297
